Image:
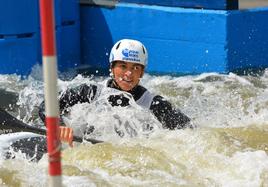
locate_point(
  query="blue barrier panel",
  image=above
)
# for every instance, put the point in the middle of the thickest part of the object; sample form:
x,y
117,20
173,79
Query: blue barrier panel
x,y
17,17
20,27
67,12
206,4
19,53
248,39
178,40
67,33
23,16
68,46
67,22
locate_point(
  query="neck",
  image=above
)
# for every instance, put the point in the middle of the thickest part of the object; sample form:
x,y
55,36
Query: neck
x,y
136,92
115,85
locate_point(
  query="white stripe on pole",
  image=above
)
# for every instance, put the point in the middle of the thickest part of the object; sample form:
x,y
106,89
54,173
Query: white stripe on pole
x,y
55,181
51,89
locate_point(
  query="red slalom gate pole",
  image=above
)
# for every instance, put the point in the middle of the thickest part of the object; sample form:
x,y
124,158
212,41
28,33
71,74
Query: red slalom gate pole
x,y
51,92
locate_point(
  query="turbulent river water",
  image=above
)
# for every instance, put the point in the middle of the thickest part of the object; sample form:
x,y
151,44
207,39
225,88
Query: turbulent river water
x,y
228,147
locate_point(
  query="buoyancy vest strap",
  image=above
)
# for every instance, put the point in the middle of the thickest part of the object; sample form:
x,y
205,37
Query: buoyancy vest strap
x,y
146,99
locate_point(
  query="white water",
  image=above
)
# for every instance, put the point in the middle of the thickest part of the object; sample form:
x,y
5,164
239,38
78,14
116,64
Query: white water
x,y
229,147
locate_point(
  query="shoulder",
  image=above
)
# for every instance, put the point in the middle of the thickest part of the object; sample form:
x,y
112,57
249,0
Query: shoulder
x,y
139,91
84,87
83,92
159,102
169,116
81,89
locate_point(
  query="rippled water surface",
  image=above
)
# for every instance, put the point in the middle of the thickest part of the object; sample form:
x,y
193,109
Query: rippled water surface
x,y
229,147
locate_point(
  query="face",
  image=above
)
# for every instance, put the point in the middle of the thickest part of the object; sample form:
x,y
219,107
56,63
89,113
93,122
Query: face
x,y
127,75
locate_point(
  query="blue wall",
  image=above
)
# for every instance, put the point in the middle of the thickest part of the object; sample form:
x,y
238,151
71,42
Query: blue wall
x,y
248,39
179,40
20,43
18,36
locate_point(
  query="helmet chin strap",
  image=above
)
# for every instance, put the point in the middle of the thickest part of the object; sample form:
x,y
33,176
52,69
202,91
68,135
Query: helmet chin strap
x,y
113,79
115,84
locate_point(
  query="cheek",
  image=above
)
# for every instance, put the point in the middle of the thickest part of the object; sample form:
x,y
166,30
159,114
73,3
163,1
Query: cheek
x,y
139,74
137,77
115,71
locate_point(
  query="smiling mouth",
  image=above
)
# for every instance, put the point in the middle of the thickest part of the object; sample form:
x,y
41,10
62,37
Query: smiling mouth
x,y
128,81
125,80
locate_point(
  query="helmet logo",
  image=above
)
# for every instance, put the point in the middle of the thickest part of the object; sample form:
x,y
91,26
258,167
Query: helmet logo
x,y
125,52
130,55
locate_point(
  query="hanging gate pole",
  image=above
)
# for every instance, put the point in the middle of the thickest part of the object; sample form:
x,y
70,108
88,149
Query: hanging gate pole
x,y
51,92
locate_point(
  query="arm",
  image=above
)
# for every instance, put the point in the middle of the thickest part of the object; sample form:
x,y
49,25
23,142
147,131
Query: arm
x,y
70,97
170,117
80,94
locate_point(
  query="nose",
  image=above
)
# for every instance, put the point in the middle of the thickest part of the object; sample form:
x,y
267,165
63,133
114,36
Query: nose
x,y
128,73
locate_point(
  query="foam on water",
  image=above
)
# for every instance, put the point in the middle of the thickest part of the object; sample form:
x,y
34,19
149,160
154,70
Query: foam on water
x,y
229,147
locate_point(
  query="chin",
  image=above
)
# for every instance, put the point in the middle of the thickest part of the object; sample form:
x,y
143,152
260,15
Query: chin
x,y
126,88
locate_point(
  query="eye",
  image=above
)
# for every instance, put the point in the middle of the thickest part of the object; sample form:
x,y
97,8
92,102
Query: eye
x,y
122,66
136,68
